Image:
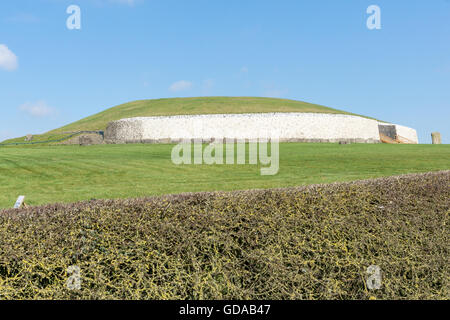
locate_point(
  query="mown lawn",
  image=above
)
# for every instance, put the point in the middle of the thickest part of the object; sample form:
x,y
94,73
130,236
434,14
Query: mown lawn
x,y
48,174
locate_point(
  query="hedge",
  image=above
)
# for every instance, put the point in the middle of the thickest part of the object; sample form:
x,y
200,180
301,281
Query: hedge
x,y
314,242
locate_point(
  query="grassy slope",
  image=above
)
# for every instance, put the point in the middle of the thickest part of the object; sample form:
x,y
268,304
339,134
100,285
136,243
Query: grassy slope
x,y
70,173
187,106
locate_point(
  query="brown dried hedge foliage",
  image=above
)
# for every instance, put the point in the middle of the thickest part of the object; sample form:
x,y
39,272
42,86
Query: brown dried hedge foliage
x,y
300,243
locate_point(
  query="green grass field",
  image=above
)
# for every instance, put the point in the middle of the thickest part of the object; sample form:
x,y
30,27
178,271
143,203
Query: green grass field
x,y
71,173
184,106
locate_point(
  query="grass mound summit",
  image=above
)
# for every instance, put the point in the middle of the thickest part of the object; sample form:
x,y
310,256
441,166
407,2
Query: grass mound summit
x,y
298,243
192,106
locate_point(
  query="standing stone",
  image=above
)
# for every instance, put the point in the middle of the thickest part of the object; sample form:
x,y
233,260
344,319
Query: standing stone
x,y
436,138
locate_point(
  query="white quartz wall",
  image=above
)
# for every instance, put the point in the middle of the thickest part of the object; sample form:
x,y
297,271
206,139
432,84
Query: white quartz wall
x,y
285,126
408,133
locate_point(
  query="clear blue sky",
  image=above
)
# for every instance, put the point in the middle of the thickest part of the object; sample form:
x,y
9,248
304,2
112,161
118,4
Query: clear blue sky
x,y
318,51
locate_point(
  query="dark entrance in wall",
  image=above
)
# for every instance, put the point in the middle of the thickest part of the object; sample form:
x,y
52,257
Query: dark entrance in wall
x,y
388,130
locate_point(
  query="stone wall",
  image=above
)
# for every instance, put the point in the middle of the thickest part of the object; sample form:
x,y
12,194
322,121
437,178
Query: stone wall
x,y
399,133
302,127
408,133
85,139
389,130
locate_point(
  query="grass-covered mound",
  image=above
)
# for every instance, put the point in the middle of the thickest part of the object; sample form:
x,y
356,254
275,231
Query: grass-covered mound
x,y
192,106
299,243
186,106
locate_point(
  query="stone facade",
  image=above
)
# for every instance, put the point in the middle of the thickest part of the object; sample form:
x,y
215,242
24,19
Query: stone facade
x,y
85,139
288,127
408,133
